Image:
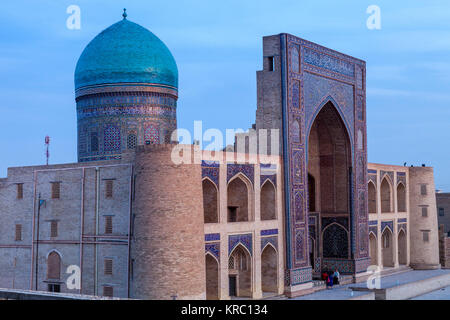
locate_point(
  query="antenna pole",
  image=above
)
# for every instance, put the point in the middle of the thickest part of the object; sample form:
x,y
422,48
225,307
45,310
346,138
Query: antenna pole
x,y
47,143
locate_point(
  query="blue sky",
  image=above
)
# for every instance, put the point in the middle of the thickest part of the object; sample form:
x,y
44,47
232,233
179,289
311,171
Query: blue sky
x,y
217,46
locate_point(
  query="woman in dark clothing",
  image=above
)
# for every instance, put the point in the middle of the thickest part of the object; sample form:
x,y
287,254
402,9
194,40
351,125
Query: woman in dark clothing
x,y
336,277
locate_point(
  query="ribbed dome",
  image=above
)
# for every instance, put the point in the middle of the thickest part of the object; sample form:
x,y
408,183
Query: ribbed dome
x,y
126,53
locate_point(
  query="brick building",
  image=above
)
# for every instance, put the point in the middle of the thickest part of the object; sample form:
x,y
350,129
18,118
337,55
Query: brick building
x,y
217,224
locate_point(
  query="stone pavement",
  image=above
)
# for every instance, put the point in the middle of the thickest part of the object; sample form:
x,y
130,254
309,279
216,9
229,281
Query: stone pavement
x,y
441,294
344,292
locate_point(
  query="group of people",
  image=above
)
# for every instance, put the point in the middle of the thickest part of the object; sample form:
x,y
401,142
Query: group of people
x,y
331,278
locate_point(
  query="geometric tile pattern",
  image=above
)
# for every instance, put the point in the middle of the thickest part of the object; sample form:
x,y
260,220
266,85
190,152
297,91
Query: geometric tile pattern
x,y
214,249
269,232
210,169
244,239
272,240
212,237
246,169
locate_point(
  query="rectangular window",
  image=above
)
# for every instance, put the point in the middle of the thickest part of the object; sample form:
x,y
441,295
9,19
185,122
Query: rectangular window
x,y
18,236
109,188
424,211
53,229
108,225
270,63
426,236
54,287
108,291
20,191
232,214
56,190
108,267
423,189
441,212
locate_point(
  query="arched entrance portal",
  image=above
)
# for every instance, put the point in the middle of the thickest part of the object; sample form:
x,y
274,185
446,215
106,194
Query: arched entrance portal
x,y
240,272
387,250
402,248
269,268
212,277
329,166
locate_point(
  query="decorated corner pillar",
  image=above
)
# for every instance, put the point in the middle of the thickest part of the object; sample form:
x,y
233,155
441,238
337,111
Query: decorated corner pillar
x,y
319,83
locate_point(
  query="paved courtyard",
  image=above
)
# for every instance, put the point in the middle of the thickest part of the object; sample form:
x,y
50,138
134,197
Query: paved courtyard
x,y
344,292
441,294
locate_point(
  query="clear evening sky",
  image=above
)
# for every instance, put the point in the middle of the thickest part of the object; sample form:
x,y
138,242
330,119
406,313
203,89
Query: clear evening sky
x,y
217,46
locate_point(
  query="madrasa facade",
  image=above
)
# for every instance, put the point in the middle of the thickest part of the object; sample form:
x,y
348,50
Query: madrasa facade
x,y
130,222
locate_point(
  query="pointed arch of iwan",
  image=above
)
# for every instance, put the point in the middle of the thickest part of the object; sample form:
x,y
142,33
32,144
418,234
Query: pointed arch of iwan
x,y
210,201
240,270
240,199
212,276
268,201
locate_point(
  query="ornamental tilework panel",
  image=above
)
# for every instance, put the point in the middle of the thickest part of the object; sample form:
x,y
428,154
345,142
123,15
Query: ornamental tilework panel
x,y
363,238
389,224
401,177
402,226
328,62
214,249
297,167
295,57
342,265
272,240
361,265
272,178
212,237
127,108
295,103
373,178
111,138
323,76
211,170
335,242
343,221
318,91
269,232
151,133
246,169
244,239
300,245
374,230
298,206
298,276
390,174
402,220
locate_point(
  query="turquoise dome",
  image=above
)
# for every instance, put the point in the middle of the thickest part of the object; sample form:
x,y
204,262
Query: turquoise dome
x,y
126,53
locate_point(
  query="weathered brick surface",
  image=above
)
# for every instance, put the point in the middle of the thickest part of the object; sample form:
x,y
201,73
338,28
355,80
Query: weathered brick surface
x,y
443,202
424,254
168,239
18,263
